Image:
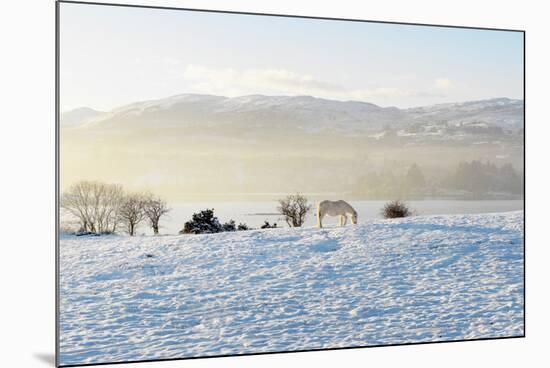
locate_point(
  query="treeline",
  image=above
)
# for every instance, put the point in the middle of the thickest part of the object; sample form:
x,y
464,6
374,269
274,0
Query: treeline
x,y
481,178
102,208
392,183
107,208
476,178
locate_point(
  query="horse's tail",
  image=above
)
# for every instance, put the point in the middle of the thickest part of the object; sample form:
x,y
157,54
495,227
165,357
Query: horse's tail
x,y
319,215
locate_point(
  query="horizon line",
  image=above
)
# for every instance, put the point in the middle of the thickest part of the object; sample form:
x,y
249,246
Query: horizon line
x,y
266,95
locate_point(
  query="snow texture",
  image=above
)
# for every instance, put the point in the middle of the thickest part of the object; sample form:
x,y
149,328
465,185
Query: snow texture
x,y
431,278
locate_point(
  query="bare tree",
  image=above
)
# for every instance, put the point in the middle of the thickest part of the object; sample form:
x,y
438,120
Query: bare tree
x,y
107,199
155,208
132,212
294,208
76,201
93,204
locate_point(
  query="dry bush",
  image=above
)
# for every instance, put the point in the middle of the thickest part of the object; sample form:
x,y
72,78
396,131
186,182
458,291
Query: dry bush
x,y
294,209
396,209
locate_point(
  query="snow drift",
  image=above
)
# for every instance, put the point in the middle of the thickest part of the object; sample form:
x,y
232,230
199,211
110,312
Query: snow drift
x,y
432,278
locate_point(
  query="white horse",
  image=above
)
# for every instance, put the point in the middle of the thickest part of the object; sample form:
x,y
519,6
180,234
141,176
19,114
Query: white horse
x,y
336,208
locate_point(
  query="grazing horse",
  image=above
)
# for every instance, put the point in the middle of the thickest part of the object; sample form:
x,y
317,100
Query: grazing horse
x,y
336,208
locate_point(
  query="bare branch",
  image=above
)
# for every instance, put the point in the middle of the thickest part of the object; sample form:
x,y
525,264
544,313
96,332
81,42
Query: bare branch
x,y
294,208
132,212
154,209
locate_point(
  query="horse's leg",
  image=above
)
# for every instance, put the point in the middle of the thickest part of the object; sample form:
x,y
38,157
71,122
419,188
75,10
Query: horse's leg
x,y
345,220
319,219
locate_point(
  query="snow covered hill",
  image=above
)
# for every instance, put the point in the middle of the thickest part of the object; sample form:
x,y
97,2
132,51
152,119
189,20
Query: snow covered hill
x,y
80,116
501,112
303,112
430,278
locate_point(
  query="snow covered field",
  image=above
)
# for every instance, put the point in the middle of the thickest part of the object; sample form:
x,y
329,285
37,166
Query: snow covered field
x,y
254,213
426,278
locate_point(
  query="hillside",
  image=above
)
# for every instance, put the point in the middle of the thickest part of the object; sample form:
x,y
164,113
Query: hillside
x,y
259,143
80,116
431,278
302,112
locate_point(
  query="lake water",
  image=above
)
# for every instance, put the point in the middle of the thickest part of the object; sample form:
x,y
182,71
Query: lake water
x,y
255,213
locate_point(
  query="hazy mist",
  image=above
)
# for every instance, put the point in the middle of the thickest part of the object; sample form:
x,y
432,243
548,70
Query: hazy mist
x,y
197,147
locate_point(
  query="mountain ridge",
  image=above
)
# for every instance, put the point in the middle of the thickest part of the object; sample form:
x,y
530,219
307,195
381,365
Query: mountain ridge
x,y
315,112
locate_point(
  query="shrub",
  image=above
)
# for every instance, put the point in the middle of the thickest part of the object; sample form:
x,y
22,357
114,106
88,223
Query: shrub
x,y
294,208
243,227
267,225
229,226
203,222
396,209
85,233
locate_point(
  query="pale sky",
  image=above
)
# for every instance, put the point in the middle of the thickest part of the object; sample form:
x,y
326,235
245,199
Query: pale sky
x,y
111,56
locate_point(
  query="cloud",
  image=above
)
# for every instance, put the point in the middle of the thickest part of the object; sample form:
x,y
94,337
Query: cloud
x,y
362,94
255,81
232,82
442,83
